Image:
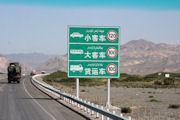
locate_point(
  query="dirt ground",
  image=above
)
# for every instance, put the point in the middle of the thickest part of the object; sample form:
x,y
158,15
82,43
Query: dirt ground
x,y
138,99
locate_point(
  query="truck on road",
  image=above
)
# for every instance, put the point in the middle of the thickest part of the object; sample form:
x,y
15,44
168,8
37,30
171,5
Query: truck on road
x,y
14,72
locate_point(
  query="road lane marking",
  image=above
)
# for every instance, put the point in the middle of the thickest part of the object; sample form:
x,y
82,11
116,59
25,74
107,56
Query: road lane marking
x,y
53,118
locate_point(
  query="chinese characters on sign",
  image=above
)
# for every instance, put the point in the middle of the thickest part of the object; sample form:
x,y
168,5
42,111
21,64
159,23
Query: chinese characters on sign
x,y
95,38
93,52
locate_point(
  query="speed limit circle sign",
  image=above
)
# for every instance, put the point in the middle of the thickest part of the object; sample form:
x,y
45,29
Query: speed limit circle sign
x,y
112,35
112,52
111,69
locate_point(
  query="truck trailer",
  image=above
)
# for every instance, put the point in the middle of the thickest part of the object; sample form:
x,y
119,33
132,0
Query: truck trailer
x,y
14,72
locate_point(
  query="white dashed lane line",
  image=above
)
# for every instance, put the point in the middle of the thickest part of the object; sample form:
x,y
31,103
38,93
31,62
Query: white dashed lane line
x,y
52,117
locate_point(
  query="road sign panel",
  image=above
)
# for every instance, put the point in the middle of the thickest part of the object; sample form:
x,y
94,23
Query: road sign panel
x,y
93,34
85,69
93,52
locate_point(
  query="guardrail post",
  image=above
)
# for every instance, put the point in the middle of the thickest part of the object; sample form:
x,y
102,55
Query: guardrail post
x,y
129,117
78,105
114,112
88,108
81,105
102,116
72,103
92,112
84,106
108,117
71,100
97,114
67,100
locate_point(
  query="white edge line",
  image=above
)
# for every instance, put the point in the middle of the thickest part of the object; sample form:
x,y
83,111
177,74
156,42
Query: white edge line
x,y
103,77
72,43
53,118
68,51
100,61
88,26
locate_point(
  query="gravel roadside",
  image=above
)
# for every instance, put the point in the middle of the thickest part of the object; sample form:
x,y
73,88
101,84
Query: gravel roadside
x,y
138,99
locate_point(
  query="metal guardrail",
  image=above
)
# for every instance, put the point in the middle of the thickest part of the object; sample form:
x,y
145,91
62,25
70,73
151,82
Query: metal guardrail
x,y
94,108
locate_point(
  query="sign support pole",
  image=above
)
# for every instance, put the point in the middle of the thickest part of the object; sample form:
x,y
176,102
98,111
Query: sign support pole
x,y
108,103
77,87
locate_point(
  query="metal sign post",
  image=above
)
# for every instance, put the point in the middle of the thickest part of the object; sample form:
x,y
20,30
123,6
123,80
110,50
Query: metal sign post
x,y
108,103
77,87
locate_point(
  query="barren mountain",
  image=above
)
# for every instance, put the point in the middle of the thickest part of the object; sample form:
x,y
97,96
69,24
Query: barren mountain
x,y
136,57
143,57
54,64
31,59
4,61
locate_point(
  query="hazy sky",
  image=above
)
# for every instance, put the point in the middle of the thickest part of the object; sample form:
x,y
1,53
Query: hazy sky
x,y
41,25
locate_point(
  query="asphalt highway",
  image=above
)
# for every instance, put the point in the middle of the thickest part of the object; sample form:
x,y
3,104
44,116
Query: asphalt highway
x,y
25,102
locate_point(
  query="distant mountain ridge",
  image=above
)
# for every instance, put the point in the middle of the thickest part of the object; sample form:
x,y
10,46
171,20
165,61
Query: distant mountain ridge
x,y
32,59
136,57
4,61
144,57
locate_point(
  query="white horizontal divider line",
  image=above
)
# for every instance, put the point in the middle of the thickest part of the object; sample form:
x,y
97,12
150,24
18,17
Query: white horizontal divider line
x,y
95,60
95,43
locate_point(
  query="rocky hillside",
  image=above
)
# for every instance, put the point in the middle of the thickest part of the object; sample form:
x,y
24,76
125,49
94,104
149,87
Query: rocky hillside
x,y
144,57
137,57
4,61
54,64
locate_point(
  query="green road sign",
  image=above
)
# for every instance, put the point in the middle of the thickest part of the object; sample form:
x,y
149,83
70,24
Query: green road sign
x,y
93,69
93,52
94,35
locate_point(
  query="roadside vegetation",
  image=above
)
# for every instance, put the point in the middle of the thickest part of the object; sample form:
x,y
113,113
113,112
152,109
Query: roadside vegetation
x,y
154,100
126,110
136,81
151,96
174,106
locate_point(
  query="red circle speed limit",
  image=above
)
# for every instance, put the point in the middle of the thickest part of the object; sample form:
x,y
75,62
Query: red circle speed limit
x,y
111,69
112,52
112,35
